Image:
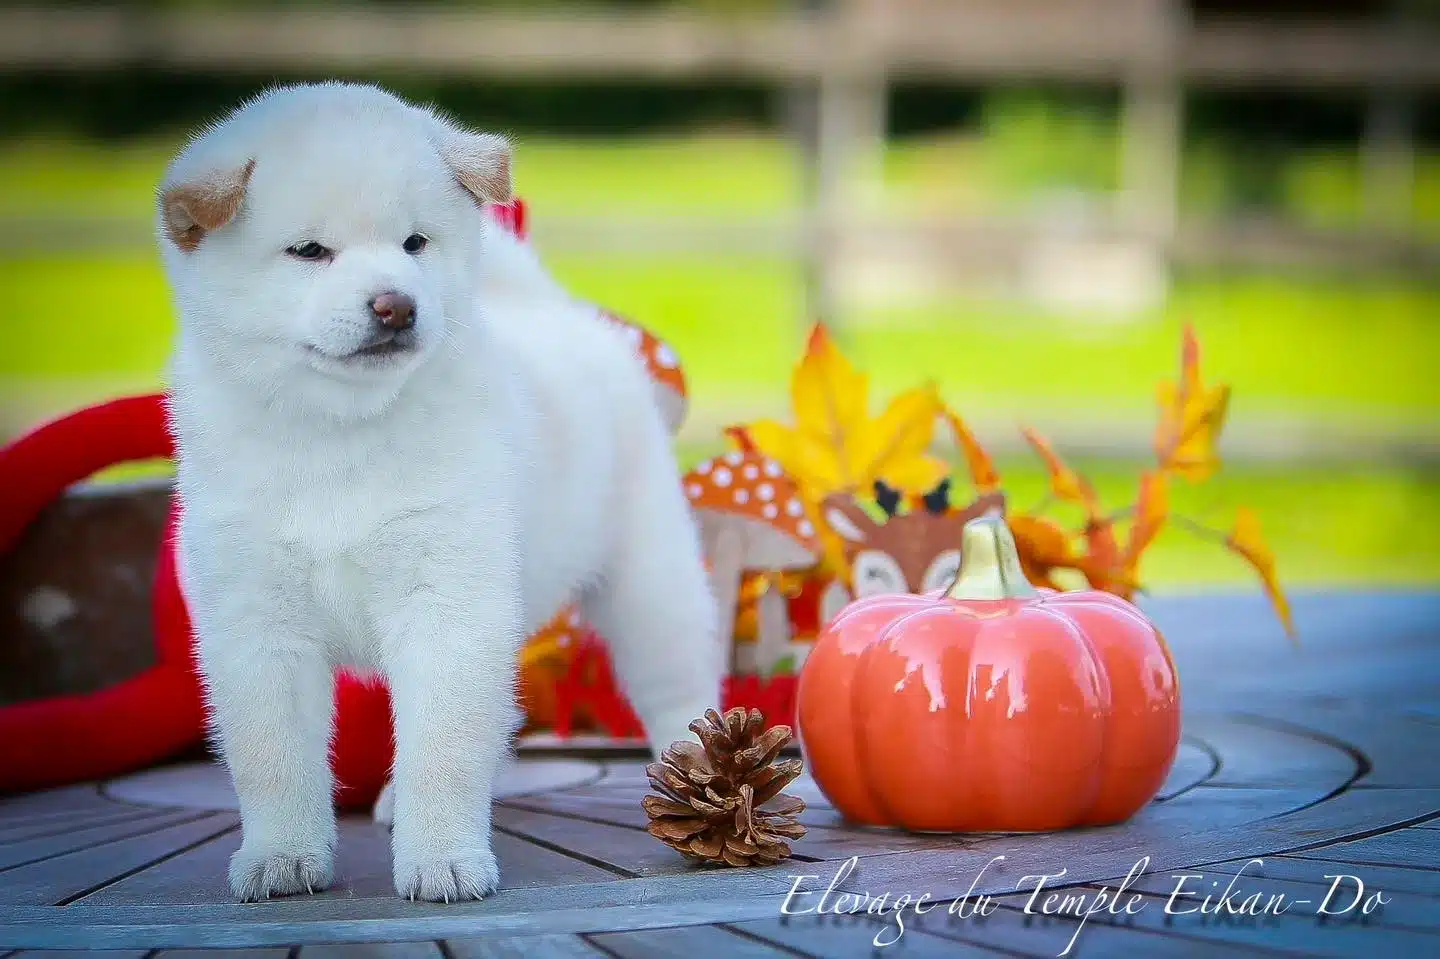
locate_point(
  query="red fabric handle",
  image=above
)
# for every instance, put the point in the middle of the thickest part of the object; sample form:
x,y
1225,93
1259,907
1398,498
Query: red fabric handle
x,y
66,739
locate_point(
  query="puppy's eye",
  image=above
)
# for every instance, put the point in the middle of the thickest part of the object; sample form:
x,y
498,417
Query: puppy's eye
x,y
414,243
310,251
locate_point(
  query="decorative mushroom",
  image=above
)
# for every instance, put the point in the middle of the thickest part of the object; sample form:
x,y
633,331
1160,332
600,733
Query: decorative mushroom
x,y
663,366
751,517
544,660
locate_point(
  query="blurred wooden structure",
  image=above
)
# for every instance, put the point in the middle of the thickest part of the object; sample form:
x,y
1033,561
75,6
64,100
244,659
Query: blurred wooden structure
x,y
846,53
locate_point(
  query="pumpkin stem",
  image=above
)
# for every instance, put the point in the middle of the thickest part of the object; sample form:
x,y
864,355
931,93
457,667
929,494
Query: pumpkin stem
x,y
989,562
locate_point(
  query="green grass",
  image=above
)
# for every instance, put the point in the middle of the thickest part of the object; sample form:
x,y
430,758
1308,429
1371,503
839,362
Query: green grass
x,y
1357,348
95,325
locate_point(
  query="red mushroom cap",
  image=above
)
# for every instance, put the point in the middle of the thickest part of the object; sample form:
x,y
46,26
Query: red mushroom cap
x,y
751,486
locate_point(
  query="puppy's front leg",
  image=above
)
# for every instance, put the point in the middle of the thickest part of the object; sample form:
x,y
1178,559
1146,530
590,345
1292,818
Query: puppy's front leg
x,y
271,696
451,666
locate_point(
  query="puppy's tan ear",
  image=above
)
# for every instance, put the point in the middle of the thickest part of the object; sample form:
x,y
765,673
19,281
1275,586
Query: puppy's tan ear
x,y
196,207
481,162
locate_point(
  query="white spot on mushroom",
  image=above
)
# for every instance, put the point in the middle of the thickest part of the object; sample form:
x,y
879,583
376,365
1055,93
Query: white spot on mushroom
x,y
665,357
734,458
721,477
637,339
804,528
772,469
742,496
751,472
693,490
769,511
704,467
795,507
765,491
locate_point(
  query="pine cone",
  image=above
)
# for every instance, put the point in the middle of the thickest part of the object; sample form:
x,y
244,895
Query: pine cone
x,y
711,792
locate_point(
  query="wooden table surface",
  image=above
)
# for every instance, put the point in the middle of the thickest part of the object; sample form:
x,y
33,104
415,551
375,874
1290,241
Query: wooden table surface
x,y
1320,761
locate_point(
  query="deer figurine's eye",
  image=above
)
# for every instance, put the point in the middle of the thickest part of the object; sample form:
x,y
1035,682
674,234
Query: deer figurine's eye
x,y
942,571
874,572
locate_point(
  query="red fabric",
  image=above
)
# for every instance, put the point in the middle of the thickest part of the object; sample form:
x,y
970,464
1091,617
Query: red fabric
x,y
363,749
588,693
137,722
512,215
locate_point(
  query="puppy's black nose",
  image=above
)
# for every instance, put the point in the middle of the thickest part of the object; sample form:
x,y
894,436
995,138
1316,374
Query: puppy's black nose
x,y
394,311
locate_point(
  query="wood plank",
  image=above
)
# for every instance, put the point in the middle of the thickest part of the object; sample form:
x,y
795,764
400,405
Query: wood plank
x,y
595,907
55,880
222,953
1414,848
627,851
206,784
524,947
830,837
702,896
362,869
52,801
1011,930
1313,871
1086,854
67,822
196,875
44,847
686,941
852,936
1294,931
1252,754
1403,910
79,954
373,950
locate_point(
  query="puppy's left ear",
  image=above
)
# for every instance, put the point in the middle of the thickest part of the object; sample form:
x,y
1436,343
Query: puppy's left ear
x,y
481,162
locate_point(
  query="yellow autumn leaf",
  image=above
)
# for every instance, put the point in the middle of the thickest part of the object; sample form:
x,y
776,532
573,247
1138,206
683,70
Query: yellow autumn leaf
x,y
829,397
776,441
895,439
1247,540
916,476
835,445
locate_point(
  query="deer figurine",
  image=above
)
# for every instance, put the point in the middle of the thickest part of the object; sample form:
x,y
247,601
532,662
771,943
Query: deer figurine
x,y
916,551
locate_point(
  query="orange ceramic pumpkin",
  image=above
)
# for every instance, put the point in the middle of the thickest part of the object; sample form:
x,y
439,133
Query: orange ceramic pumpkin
x,y
990,706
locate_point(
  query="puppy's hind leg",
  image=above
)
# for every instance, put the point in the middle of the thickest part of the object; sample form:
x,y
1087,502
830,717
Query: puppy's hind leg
x,y
654,606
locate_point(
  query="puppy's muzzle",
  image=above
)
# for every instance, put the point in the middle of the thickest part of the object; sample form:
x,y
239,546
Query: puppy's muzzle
x,y
394,311
394,331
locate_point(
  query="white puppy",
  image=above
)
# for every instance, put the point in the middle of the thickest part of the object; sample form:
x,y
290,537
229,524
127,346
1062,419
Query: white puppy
x,y
402,446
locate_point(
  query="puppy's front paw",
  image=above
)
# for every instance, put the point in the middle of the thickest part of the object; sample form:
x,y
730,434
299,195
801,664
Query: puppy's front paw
x,y
261,873
472,874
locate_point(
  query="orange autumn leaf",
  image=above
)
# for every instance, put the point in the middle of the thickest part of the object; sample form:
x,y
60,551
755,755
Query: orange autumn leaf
x,y
1103,564
1065,483
1191,417
1247,541
983,475
1044,546
1152,508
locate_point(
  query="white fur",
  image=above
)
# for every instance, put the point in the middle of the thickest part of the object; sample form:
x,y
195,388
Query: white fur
x,y
418,516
